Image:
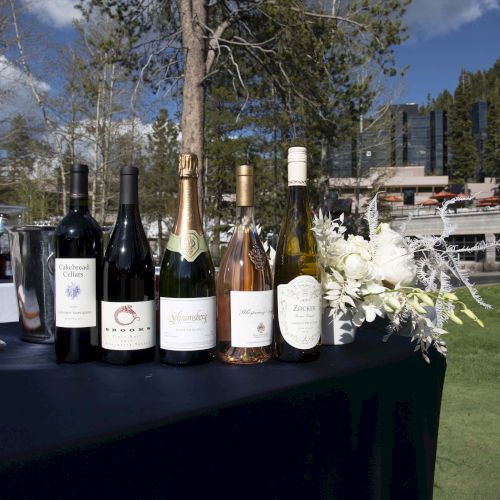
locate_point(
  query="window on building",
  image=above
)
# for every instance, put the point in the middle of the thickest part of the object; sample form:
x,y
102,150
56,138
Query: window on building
x,y
468,240
497,249
409,196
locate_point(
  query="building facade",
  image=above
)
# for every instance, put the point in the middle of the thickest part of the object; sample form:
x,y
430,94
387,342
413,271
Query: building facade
x,y
408,138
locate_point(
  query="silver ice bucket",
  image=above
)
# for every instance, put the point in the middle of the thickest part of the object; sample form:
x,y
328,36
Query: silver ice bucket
x,y
30,248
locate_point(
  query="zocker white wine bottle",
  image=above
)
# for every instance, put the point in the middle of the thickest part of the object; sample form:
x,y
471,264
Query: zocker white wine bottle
x,y
187,281
128,302
297,290
78,261
244,286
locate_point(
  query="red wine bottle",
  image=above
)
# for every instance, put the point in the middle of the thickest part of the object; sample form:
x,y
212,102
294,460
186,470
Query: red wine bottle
x,y
128,301
78,261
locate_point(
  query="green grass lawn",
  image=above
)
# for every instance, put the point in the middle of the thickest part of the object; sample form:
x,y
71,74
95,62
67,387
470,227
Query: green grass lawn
x,y
468,455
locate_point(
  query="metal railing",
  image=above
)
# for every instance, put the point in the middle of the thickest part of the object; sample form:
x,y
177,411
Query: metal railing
x,y
421,211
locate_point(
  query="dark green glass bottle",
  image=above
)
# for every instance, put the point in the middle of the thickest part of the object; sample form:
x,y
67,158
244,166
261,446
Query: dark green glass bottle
x,y
187,281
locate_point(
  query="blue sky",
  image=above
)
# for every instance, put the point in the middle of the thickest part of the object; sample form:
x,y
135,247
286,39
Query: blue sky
x,y
445,35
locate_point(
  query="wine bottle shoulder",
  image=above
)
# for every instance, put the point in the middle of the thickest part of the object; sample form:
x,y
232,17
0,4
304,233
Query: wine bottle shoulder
x,y
182,278
245,265
295,257
175,264
75,225
128,240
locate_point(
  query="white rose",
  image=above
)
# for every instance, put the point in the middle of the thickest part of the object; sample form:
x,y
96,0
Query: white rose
x,y
393,259
339,247
336,252
355,267
357,244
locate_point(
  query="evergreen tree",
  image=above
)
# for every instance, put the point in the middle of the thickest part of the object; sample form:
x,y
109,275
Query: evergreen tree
x,y
227,145
67,160
25,172
307,51
465,156
159,184
444,101
271,166
492,147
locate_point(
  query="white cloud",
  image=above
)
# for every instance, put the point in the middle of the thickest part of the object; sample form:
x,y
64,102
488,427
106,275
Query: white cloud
x,y
58,13
15,93
435,17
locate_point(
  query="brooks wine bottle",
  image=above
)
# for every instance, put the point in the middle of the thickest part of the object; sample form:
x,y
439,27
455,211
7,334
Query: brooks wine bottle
x,y
128,300
78,260
297,291
244,286
187,281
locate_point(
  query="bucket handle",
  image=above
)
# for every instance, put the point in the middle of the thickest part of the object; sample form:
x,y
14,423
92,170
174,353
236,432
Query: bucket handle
x,y
51,263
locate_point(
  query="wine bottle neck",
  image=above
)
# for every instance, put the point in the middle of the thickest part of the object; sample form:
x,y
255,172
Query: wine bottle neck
x,y
79,189
188,216
128,210
80,204
297,198
245,216
129,192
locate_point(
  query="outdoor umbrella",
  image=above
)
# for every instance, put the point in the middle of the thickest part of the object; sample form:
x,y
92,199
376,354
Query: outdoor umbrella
x,y
483,203
429,202
442,195
490,199
392,198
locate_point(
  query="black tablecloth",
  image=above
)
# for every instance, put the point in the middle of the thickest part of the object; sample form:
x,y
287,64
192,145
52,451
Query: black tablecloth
x,y
361,422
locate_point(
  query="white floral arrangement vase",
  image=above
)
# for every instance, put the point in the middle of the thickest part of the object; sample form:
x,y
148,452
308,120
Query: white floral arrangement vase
x,y
337,329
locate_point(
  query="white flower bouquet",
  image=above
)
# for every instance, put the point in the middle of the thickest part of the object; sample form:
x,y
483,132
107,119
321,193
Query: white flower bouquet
x,y
377,277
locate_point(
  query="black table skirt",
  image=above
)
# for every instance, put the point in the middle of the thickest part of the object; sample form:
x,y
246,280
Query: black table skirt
x,y
361,422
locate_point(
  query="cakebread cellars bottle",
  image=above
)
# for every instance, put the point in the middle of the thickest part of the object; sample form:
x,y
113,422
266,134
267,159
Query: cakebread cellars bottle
x,y
244,286
77,276
128,312
297,290
187,281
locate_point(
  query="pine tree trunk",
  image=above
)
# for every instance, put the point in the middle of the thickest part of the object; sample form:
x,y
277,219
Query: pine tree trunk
x,y
63,186
160,238
193,19
106,148
95,184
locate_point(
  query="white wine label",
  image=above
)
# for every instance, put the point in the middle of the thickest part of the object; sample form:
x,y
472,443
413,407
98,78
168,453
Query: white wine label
x,y
299,312
251,318
75,293
189,244
187,324
128,326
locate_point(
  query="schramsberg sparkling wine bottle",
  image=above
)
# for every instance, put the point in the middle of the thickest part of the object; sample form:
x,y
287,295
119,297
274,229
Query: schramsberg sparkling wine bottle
x,y
297,292
244,286
187,281
78,261
128,301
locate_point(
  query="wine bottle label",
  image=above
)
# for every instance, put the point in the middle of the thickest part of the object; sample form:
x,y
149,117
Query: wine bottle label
x,y
128,326
299,312
251,318
189,244
75,293
187,324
